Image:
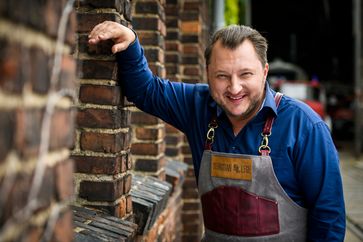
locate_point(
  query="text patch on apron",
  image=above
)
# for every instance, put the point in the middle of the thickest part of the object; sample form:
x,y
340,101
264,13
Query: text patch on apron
x,y
232,168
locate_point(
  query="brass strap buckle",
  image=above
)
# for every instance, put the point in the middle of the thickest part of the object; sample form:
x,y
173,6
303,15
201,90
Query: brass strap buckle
x,y
211,132
264,143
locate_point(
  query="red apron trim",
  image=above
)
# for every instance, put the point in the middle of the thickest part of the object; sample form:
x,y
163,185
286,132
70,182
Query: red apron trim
x,y
234,211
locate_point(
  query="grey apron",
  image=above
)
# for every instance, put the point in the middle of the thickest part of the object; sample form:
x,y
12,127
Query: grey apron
x,y
242,200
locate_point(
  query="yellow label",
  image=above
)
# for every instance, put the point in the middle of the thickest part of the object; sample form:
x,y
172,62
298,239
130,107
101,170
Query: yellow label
x,y
231,167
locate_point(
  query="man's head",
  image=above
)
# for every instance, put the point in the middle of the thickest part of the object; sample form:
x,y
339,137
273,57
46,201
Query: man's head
x,y
232,36
237,69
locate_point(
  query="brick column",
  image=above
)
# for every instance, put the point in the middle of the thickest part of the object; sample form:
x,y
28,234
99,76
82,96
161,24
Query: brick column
x,y
173,55
35,169
148,132
101,153
194,27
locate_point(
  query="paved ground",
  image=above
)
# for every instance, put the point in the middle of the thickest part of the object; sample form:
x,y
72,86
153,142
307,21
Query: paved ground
x,y
352,172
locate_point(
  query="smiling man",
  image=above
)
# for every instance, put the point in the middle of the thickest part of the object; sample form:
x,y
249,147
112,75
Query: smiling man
x,y
265,164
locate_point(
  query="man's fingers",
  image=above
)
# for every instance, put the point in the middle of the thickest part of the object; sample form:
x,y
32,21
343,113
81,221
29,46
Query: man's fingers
x,y
119,47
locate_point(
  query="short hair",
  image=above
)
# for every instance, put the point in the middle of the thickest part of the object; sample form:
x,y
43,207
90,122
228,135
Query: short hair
x,y
234,35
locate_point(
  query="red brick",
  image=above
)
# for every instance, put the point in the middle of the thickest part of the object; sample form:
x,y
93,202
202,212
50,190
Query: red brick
x,y
40,70
127,183
142,118
102,142
117,4
147,148
103,118
151,38
154,55
151,7
17,197
149,165
28,129
87,20
101,190
100,165
7,130
64,180
14,67
62,129
98,69
98,94
149,133
128,203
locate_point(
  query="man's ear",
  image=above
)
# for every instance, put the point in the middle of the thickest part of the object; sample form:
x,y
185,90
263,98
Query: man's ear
x,y
265,71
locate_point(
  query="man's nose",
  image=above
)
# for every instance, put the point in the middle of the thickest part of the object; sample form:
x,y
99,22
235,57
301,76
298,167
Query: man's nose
x,y
235,85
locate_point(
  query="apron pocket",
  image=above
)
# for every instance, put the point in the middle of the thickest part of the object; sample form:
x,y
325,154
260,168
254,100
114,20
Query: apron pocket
x,y
234,211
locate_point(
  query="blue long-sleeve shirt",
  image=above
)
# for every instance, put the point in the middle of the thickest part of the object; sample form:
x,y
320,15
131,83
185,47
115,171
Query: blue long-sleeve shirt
x,y
304,157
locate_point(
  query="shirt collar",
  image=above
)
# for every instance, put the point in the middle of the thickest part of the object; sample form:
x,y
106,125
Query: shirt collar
x,y
268,102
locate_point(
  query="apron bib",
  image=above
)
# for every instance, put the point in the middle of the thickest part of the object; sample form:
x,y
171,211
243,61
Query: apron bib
x,y
242,200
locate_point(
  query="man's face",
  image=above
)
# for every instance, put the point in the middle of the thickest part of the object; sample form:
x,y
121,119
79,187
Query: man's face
x,y
237,80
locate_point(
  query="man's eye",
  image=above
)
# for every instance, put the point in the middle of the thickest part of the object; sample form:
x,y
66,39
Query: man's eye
x,y
246,74
222,76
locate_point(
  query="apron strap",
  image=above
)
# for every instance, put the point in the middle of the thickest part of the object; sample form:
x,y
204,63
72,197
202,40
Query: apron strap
x,y
264,149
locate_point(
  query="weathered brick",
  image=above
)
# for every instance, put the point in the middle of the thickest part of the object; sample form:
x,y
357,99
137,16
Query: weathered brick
x,y
117,4
100,165
99,94
149,165
127,183
98,69
154,55
142,118
172,70
190,60
17,197
7,131
190,38
64,180
147,148
103,142
173,35
149,133
40,70
107,191
14,67
27,133
128,203
148,23
173,46
86,20
67,78
151,7
103,118
192,71
151,38
173,57
62,129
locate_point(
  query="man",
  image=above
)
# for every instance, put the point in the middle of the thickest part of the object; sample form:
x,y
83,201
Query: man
x,y
266,166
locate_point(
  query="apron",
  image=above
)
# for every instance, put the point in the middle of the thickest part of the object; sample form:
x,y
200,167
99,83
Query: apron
x,y
242,200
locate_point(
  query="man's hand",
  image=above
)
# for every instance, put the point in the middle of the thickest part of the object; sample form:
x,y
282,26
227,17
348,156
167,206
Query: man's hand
x,y
121,35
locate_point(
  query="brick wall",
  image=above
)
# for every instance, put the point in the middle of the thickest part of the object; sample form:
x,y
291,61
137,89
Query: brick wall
x,y
194,31
102,147
148,132
37,92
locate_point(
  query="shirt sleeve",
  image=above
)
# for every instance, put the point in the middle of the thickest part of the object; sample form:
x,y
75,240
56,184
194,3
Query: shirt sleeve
x,y
319,175
170,101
